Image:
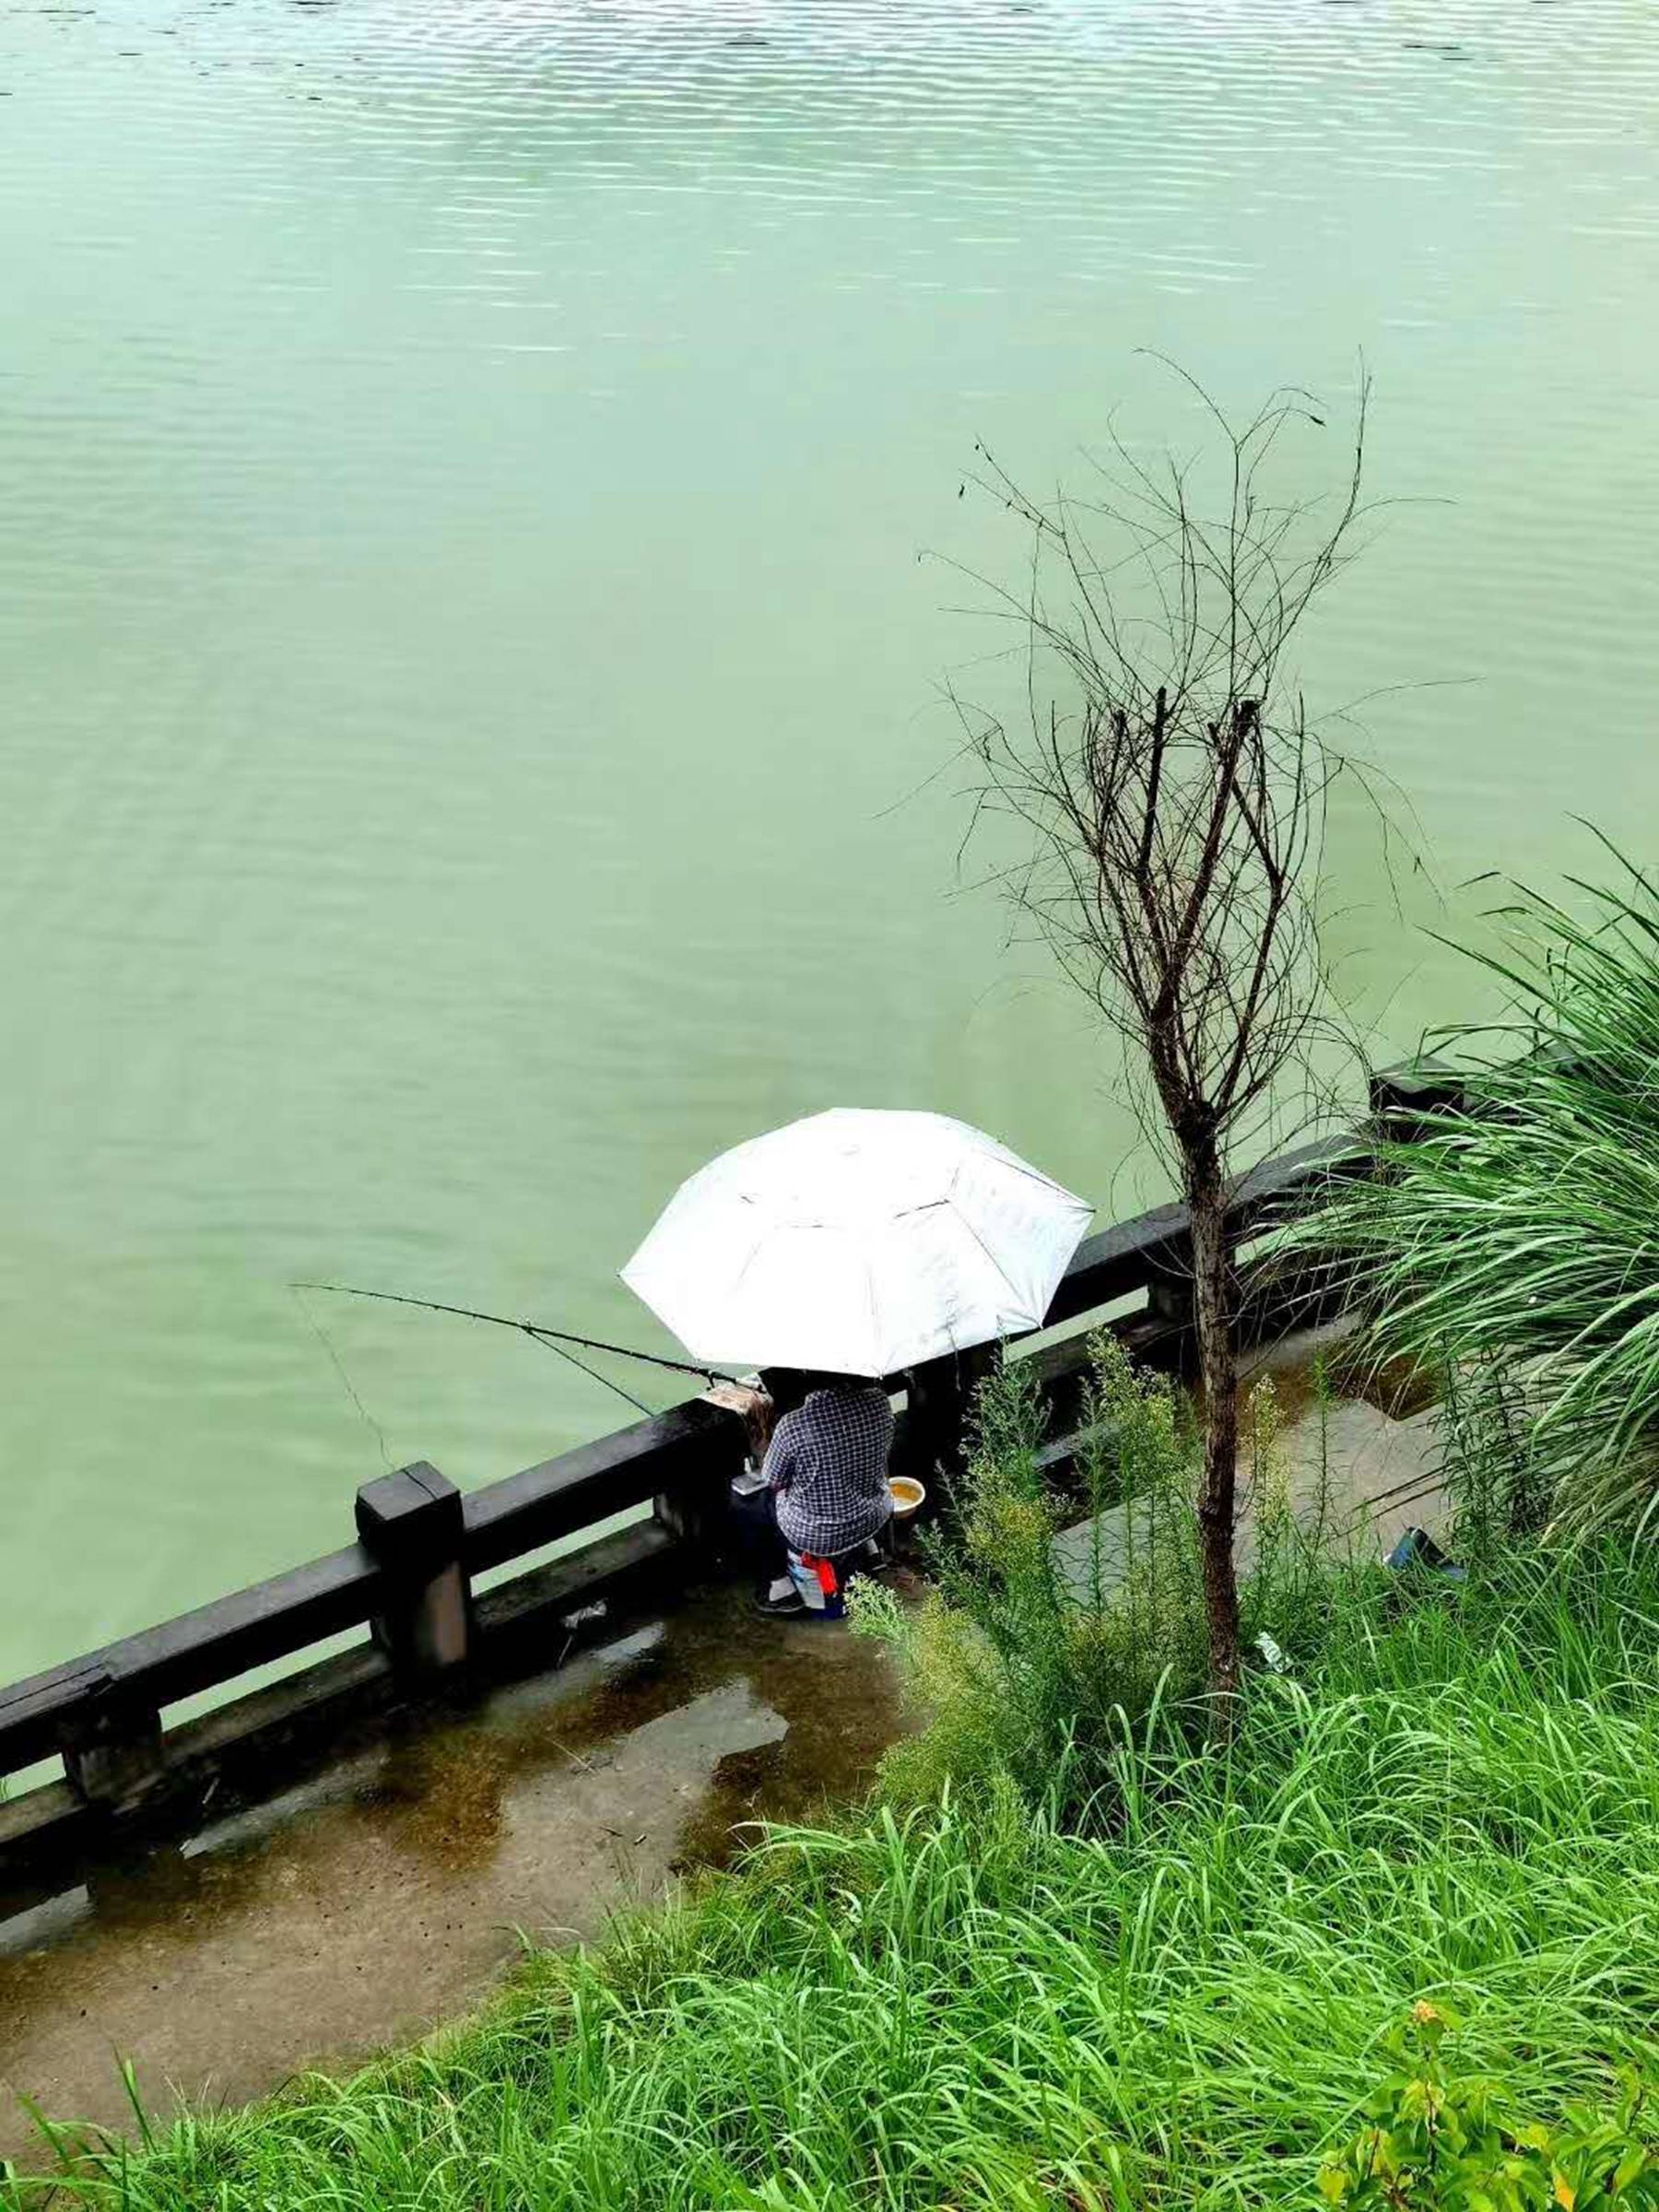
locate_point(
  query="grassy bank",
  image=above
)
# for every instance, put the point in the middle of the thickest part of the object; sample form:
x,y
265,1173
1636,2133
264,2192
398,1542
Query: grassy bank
x,y
1179,1998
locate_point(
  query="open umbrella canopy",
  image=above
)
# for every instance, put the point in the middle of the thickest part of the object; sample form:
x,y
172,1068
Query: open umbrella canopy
x,y
860,1242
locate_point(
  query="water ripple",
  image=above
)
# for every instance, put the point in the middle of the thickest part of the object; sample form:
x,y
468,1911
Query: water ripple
x,y
463,639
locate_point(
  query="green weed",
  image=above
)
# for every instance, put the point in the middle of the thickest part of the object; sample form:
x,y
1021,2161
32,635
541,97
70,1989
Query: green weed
x,y
1439,2139
1058,1617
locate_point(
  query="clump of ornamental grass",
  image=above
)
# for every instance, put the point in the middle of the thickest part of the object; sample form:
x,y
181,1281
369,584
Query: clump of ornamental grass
x,y
1453,1801
1513,1244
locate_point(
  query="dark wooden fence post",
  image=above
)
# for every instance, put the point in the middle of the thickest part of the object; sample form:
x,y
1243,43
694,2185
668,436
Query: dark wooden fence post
x,y
1170,1299
411,1526
697,1515
940,1393
1401,1098
113,1750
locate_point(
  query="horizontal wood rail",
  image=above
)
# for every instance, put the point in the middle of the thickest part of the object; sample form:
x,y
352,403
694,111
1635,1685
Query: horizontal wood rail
x,y
1156,1248
197,1651
664,1453
409,1578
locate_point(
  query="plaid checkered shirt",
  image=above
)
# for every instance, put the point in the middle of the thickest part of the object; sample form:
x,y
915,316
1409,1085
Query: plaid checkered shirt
x,y
827,1466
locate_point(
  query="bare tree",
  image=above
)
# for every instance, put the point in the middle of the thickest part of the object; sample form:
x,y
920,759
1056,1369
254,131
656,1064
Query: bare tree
x,y
1170,791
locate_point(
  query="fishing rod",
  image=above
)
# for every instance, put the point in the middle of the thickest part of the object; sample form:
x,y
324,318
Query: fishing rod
x,y
555,1340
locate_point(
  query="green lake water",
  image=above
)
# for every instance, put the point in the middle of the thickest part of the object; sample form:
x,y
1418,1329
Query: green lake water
x,y
466,640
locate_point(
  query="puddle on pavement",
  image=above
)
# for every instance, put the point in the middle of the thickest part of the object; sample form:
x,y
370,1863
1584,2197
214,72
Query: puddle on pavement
x,y
389,1894
1332,1360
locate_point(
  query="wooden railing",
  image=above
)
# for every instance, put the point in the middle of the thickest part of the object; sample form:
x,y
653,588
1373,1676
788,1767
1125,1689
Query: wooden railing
x,y
408,1577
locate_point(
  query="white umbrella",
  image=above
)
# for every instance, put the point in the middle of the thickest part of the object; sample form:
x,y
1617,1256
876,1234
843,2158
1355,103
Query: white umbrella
x,y
858,1241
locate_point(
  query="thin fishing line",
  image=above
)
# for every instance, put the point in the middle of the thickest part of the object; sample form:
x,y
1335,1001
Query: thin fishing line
x,y
542,1337
339,1368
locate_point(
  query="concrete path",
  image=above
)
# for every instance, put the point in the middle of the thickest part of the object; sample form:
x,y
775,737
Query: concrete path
x,y
365,1909
1361,1473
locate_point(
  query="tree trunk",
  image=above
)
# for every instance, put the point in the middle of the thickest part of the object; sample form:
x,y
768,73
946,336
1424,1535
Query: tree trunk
x,y
1218,1364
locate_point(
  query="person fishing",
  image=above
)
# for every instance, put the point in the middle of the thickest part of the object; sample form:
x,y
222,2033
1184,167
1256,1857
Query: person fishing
x,y
824,1479
854,1242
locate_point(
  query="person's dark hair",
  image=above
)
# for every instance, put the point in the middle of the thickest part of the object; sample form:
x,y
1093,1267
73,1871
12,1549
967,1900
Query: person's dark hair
x,y
827,1379
786,1386
791,1386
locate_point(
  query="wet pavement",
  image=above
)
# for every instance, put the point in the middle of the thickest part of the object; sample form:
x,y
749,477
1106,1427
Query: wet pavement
x,y
391,1894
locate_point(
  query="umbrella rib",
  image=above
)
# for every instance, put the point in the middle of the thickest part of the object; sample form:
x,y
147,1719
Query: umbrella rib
x,y
1024,1166
1013,1286
876,1345
754,1253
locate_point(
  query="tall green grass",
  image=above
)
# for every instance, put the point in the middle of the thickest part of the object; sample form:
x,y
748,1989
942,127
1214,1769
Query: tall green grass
x,y
1519,1239
1180,2001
